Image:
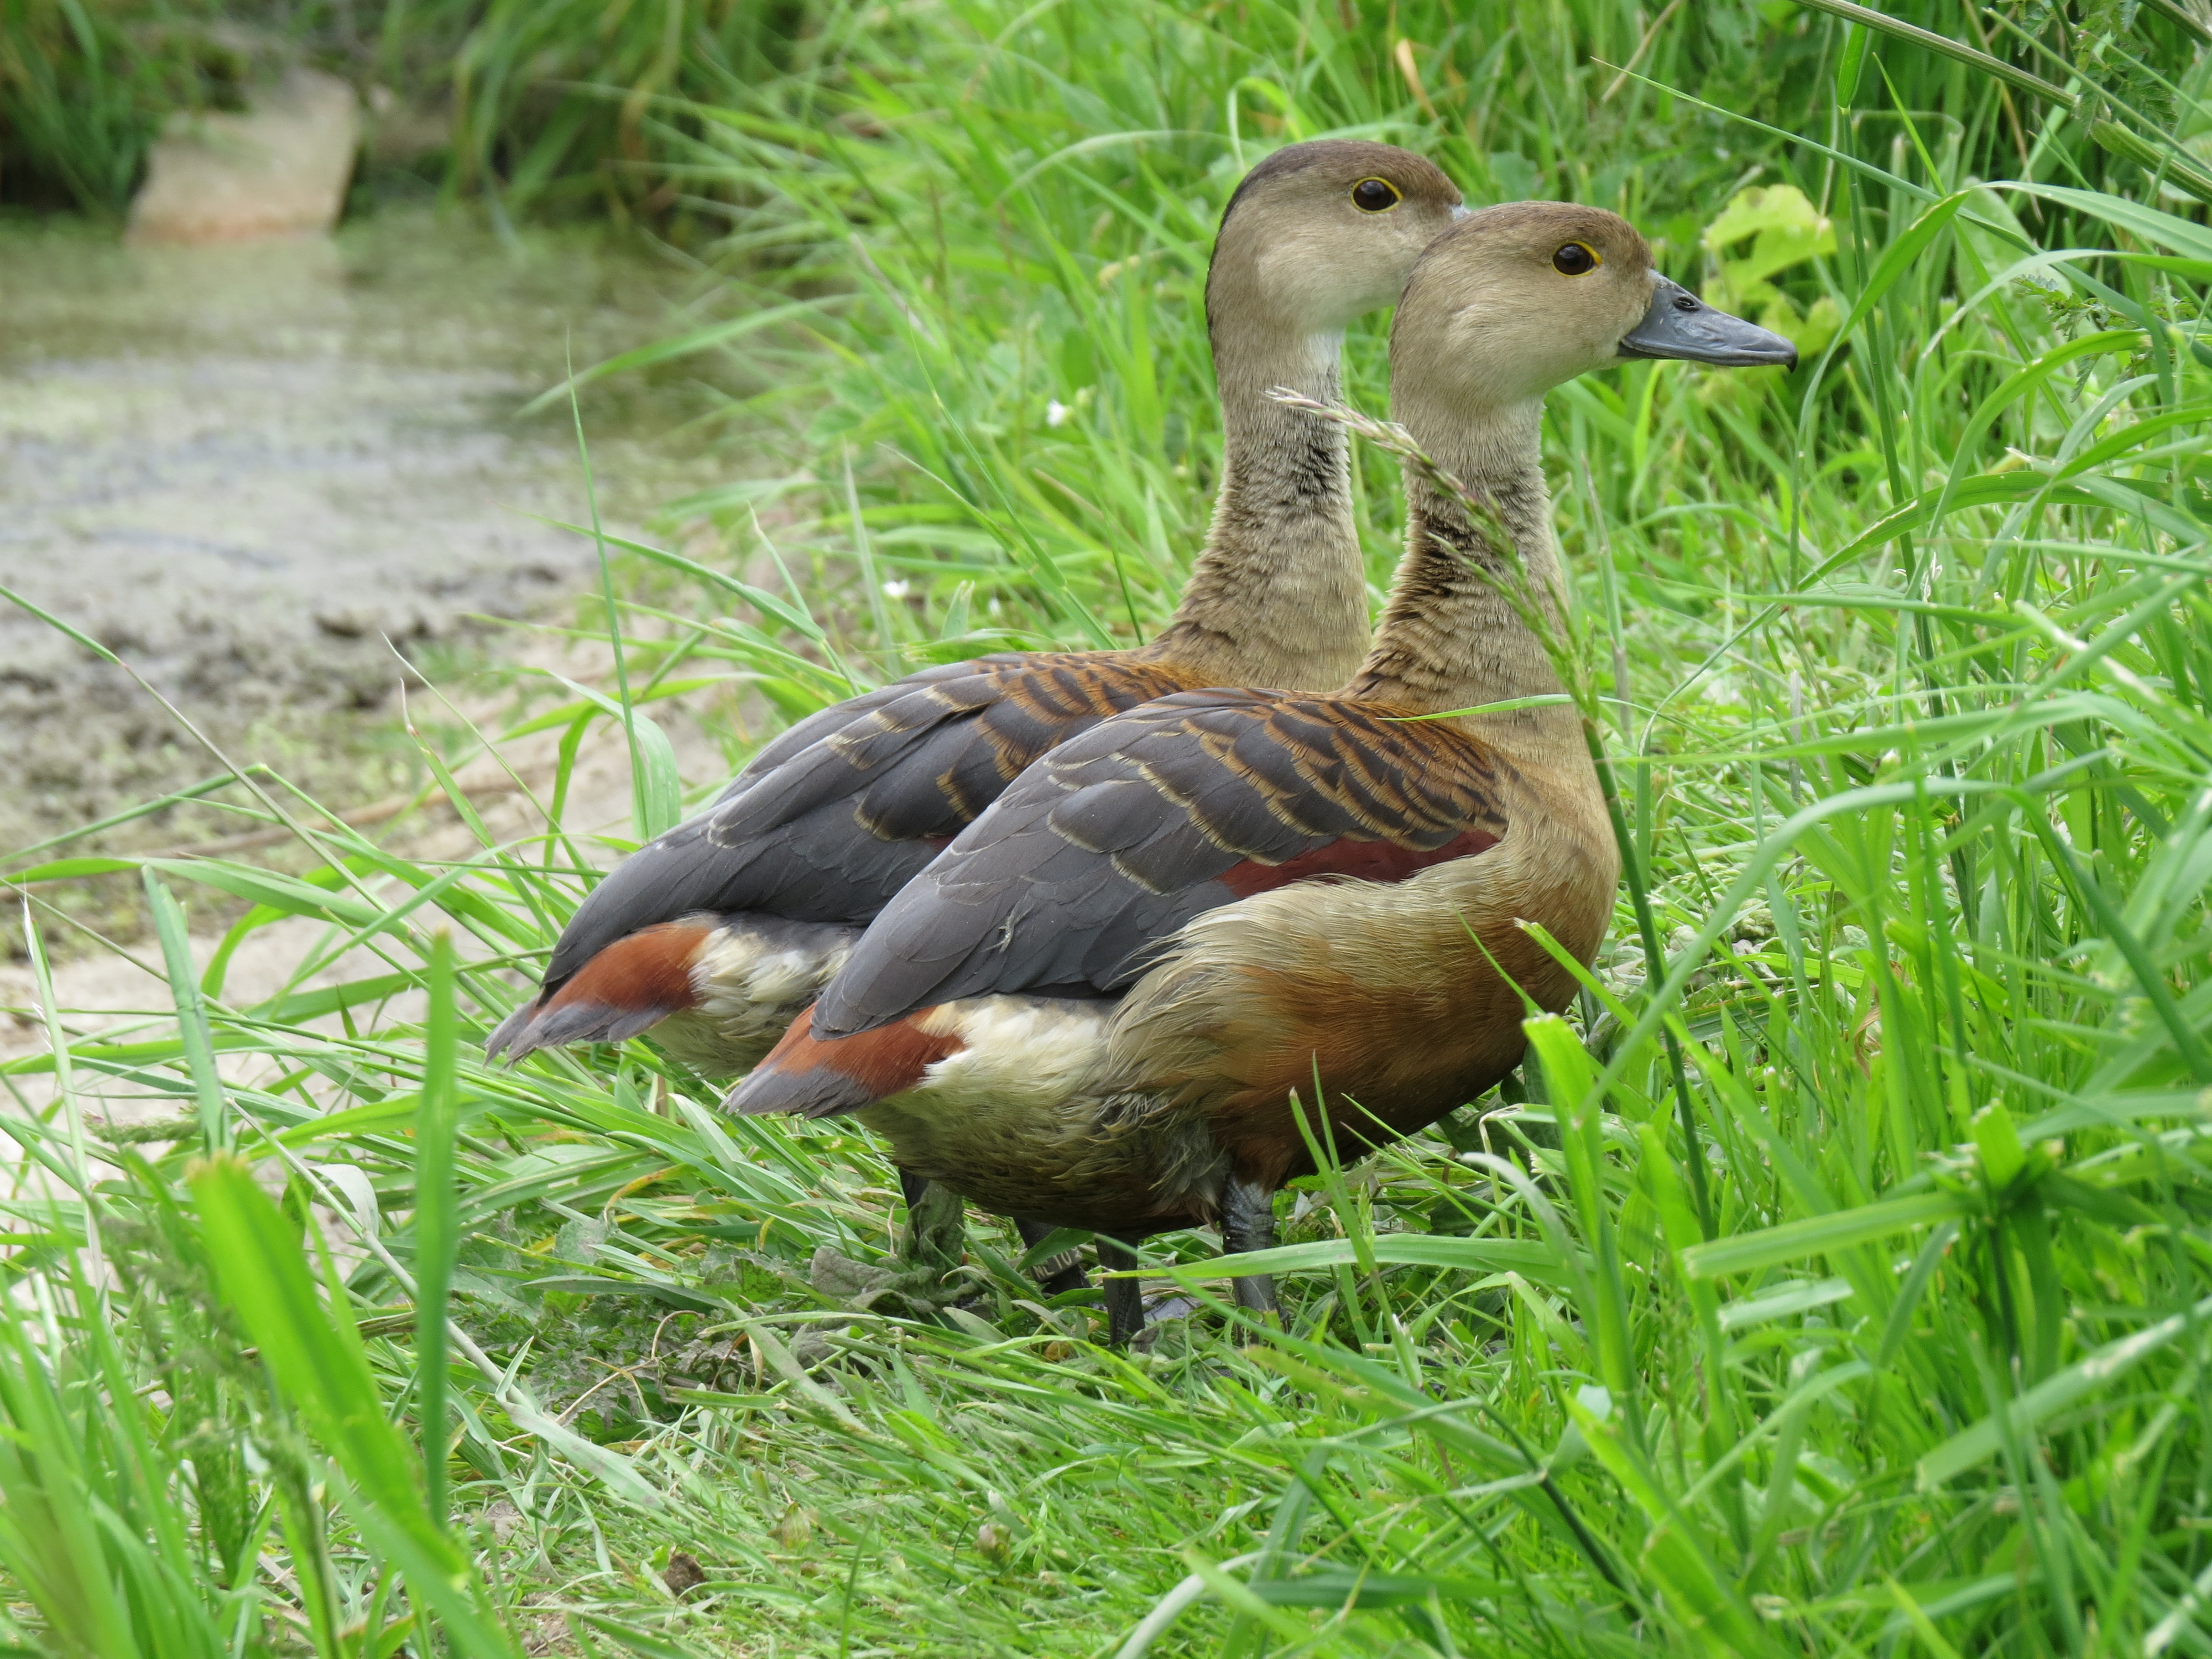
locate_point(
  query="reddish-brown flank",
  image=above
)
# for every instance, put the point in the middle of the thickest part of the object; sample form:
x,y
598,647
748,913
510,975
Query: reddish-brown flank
x,y
1369,861
649,969
885,1061
1406,1053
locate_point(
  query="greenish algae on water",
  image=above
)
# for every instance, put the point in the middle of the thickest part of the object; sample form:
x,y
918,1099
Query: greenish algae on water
x,y
258,472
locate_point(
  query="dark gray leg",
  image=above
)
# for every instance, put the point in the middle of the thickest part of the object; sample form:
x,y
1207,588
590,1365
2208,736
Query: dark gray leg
x,y
1065,1271
1248,1222
936,1232
1125,1298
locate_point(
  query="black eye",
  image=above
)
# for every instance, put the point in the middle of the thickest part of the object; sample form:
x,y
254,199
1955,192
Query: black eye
x,y
1574,260
1375,196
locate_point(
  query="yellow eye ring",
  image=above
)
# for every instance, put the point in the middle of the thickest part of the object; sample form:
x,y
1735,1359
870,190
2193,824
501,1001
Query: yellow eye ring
x,y
1576,259
1375,196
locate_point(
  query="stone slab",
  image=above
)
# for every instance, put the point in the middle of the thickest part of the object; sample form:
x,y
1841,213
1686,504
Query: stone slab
x,y
277,169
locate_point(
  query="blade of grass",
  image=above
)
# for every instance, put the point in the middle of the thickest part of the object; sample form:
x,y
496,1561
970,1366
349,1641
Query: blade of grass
x,y
437,1219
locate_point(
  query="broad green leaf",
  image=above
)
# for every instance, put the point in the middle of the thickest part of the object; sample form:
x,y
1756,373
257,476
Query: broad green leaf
x,y
301,1007
72,869
281,893
199,1041
437,1219
314,1353
1674,1557
1784,1302
658,801
1817,1235
1784,228
1530,1258
2154,225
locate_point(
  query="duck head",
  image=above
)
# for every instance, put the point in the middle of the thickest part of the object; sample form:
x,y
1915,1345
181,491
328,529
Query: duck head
x,y
1516,299
1320,234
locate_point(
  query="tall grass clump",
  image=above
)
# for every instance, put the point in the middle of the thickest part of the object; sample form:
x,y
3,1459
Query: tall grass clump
x,y
536,109
1882,1331
83,90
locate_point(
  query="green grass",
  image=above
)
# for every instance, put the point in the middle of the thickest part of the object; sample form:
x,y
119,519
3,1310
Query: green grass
x,y
533,106
1905,664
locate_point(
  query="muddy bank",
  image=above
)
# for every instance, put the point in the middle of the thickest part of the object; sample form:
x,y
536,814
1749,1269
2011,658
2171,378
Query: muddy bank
x,y
263,474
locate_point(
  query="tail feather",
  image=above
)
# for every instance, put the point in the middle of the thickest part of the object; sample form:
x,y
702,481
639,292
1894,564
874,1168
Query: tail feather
x,y
630,986
810,1078
512,1028
820,1092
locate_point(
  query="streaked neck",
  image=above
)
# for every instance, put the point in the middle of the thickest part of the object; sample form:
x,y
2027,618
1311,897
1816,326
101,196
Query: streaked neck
x,y
1449,638
1279,596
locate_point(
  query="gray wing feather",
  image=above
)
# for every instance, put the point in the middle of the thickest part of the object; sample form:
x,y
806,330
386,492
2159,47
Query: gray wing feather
x,y
827,722
1096,856
841,812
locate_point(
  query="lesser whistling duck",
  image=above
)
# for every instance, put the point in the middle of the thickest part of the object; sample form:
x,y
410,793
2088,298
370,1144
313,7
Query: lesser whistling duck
x,y
1092,1009
720,930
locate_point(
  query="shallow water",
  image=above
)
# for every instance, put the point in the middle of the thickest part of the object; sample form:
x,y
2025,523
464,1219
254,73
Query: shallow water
x,y
256,471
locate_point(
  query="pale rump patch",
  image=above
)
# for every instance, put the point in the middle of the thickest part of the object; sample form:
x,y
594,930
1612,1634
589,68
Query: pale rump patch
x,y
1026,1119
747,982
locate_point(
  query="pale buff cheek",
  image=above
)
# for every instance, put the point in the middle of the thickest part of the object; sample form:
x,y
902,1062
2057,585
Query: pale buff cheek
x,y
1325,280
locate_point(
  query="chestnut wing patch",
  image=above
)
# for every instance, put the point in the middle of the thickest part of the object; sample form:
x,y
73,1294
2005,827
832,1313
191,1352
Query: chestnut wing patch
x,y
1366,861
827,831
1072,882
809,1078
632,984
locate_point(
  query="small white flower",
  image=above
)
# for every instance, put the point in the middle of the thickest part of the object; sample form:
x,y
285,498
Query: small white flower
x,y
897,590
1056,413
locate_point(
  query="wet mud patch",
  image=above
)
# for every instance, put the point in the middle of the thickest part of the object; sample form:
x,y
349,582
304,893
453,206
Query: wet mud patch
x,y
273,477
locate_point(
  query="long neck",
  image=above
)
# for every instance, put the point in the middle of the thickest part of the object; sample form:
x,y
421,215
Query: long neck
x,y
1279,597
1449,638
